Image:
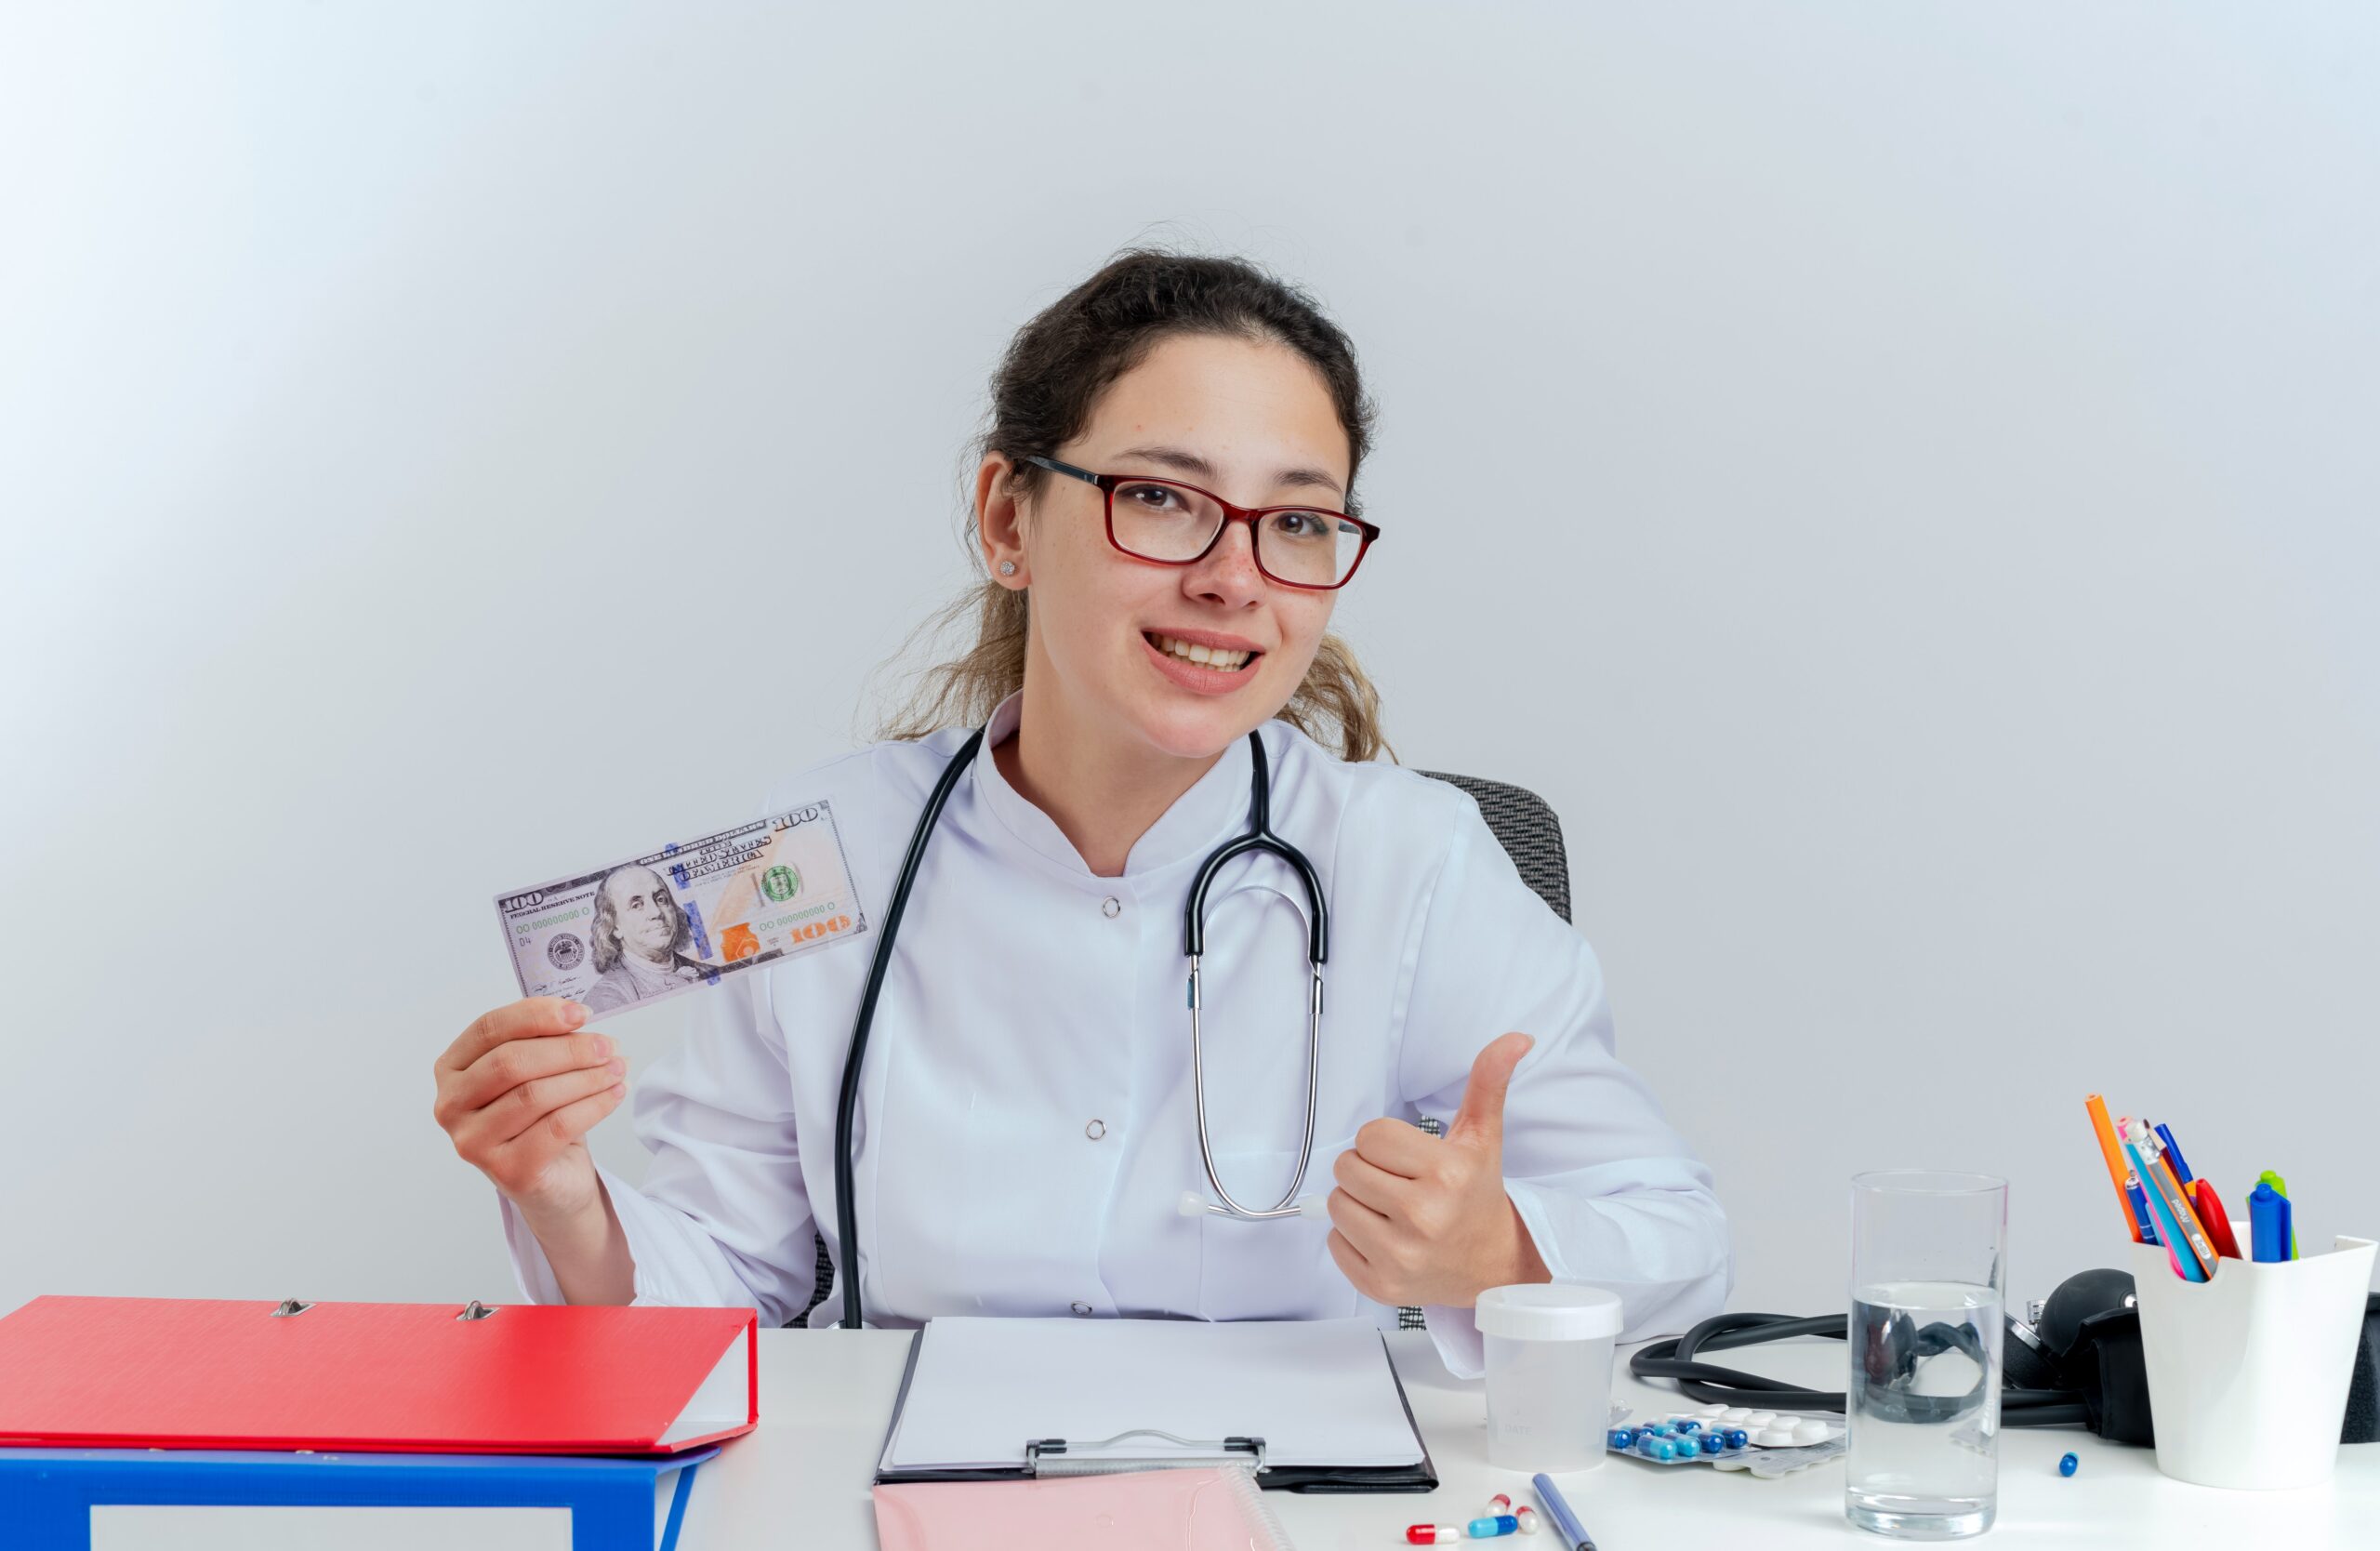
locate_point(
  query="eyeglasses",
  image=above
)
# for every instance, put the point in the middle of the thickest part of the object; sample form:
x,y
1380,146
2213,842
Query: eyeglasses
x,y
1173,523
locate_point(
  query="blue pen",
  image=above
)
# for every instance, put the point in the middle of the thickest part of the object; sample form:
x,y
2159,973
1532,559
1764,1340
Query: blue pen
x,y
2268,1226
2174,1156
2139,1199
2177,1245
1565,1523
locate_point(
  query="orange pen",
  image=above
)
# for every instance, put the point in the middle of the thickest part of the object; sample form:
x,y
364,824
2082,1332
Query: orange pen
x,y
2217,1220
2205,1244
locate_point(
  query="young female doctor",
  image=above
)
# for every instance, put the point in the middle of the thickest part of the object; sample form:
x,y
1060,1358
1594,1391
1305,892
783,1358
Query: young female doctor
x,y
1166,510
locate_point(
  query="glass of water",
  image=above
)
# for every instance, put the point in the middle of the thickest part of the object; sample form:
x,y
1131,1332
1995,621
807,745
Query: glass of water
x,y
1928,1253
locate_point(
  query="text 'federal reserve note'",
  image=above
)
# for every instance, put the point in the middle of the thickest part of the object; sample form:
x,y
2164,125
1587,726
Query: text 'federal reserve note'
x,y
686,915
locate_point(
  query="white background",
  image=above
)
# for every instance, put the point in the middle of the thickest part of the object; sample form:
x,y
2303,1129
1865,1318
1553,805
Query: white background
x,y
1900,480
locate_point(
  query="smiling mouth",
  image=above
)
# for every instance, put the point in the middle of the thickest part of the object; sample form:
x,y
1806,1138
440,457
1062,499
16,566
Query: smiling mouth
x,y
1202,656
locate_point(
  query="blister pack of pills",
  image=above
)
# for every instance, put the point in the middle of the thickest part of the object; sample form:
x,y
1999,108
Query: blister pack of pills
x,y
1731,1437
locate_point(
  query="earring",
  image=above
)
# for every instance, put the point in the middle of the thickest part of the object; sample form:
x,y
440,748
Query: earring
x,y
1007,568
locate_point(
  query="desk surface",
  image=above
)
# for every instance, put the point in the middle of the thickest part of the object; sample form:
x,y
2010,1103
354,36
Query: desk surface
x,y
827,1398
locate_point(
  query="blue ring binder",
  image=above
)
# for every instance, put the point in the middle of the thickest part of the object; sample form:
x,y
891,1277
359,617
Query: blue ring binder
x,y
46,1494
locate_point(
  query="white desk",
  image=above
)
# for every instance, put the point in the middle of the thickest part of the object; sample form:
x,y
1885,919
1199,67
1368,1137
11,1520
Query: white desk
x,y
802,1478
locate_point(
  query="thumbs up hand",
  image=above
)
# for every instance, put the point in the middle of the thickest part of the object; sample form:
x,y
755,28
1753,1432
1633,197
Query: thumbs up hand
x,y
1419,1219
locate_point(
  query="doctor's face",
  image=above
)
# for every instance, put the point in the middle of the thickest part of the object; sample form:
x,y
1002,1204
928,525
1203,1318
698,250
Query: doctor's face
x,y
1250,421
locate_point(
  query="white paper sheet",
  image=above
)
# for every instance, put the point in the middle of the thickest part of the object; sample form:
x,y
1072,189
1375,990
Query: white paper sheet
x,y
1319,1392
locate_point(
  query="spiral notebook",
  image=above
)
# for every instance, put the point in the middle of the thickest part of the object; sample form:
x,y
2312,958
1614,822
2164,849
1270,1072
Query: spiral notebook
x,y
1308,1405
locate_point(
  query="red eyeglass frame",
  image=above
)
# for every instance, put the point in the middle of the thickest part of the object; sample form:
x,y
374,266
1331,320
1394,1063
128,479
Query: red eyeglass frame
x,y
1107,483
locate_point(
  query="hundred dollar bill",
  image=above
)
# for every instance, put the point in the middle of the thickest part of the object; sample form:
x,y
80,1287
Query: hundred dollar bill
x,y
686,915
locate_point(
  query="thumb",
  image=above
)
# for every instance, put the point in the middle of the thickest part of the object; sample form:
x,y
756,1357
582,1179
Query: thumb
x,y
1481,1119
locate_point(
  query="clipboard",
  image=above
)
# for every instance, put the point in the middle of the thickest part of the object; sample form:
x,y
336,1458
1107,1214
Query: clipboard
x,y
1043,1456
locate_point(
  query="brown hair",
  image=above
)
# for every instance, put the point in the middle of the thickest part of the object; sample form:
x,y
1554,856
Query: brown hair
x,y
1042,395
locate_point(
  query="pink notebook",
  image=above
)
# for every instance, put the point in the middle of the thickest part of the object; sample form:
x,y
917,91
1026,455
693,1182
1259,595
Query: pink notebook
x,y
1182,1509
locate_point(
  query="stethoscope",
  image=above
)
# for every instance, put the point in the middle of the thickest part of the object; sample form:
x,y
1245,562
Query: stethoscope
x,y
1260,836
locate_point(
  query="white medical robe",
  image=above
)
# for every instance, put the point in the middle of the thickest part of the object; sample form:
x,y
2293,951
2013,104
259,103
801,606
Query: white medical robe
x,y
1025,1130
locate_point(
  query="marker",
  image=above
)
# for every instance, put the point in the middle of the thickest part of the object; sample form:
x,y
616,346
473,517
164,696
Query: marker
x,y
2218,1223
2175,1190
2145,1232
2161,1183
2281,1186
2177,1246
2268,1225
2106,1132
2173,1152
1565,1523
2114,1161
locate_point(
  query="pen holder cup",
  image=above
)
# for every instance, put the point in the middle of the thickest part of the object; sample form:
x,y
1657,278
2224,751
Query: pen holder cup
x,y
2248,1370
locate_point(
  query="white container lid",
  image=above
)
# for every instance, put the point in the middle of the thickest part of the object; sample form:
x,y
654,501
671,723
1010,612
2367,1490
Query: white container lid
x,y
1549,1311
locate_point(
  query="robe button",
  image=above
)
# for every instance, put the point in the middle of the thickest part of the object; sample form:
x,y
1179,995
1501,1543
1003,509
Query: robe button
x,y
1095,1130
1081,1308
1111,906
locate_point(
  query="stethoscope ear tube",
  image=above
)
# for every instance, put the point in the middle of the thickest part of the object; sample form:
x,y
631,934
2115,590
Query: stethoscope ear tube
x,y
1260,836
847,1104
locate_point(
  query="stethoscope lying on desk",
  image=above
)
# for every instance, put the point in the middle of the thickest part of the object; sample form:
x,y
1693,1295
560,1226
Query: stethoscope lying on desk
x,y
2074,1359
1890,1371
1260,836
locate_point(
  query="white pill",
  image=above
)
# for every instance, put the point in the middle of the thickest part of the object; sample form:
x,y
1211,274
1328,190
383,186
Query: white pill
x,y
1711,1411
1782,1420
1760,1419
1773,1437
1812,1431
1735,1414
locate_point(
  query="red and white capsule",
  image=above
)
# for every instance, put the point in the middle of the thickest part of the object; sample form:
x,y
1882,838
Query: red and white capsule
x,y
1527,1516
1433,1535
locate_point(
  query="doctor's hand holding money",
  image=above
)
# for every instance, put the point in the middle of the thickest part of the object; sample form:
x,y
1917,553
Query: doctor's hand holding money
x,y
518,1091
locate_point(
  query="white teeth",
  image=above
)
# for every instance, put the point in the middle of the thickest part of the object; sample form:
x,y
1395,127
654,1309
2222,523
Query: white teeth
x,y
1212,657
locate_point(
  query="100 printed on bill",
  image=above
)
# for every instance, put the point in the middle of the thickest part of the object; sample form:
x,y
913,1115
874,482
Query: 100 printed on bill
x,y
686,915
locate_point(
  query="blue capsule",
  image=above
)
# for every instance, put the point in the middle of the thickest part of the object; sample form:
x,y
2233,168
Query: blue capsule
x,y
1689,1426
1661,1429
2068,1465
1738,1438
1664,1449
1624,1438
1646,1443
1488,1528
1713,1443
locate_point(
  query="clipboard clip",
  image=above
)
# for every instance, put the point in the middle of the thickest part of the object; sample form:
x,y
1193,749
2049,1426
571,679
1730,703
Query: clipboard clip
x,y
1056,1456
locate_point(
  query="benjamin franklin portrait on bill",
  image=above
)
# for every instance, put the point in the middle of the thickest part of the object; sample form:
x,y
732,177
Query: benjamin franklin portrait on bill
x,y
640,939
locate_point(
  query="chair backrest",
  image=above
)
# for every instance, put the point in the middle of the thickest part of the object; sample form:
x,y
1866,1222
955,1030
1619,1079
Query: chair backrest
x,y
1523,823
